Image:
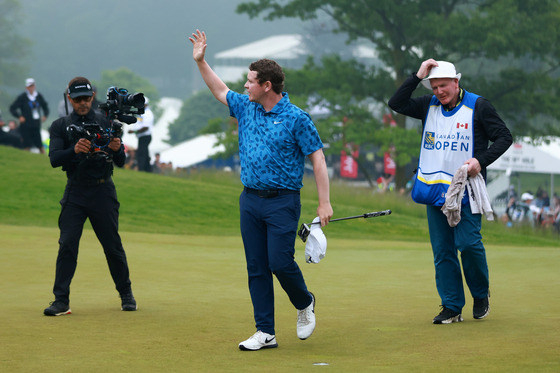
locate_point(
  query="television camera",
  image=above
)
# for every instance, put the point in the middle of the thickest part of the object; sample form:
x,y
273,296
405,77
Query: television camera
x,y
120,108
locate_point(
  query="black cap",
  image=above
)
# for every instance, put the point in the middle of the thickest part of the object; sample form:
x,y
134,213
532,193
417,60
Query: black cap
x,y
80,89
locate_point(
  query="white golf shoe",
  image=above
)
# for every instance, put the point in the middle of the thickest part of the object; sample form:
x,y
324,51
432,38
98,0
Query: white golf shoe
x,y
306,320
257,341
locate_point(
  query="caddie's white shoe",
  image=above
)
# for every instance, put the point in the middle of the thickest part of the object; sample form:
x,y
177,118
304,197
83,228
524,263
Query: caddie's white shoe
x,y
257,341
306,320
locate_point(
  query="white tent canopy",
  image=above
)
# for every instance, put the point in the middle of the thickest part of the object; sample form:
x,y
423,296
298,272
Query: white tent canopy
x,y
525,157
192,151
278,47
232,64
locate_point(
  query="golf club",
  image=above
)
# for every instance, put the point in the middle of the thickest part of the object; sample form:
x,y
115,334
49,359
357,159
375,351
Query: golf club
x,y
304,230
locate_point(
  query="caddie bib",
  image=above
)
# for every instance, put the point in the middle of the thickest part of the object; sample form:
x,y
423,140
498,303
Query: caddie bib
x,y
447,142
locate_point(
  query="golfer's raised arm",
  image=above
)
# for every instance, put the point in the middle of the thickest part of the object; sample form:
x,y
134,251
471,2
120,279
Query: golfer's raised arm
x,y
218,88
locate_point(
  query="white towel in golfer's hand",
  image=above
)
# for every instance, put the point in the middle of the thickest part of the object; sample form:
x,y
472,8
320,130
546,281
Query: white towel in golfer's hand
x,y
316,246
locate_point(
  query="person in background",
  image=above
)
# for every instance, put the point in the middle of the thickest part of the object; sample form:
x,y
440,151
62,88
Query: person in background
x,y
64,106
90,194
143,130
457,127
275,136
31,109
157,166
7,137
511,203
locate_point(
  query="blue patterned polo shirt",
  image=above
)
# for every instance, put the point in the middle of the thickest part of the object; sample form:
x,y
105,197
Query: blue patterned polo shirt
x,y
273,145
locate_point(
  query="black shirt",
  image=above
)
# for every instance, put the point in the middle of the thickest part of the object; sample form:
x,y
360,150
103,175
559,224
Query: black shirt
x,y
81,167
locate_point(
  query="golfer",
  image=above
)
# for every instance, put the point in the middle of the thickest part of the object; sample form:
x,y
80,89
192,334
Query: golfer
x,y
274,138
457,128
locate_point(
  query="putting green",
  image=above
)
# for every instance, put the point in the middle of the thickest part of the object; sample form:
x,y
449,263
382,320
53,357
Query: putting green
x,y
375,302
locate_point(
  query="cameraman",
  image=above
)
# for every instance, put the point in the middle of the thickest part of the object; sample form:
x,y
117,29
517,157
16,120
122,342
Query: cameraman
x,y
90,193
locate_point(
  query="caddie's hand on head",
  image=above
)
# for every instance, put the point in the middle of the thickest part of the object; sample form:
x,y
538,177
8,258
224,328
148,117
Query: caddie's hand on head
x,y
425,68
82,146
199,45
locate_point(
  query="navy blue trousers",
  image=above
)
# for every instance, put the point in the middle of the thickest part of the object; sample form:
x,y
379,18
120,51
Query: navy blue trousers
x,y
268,229
446,243
98,203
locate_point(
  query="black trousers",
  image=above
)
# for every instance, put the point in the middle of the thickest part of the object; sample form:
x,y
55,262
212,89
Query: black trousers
x,y
98,203
143,154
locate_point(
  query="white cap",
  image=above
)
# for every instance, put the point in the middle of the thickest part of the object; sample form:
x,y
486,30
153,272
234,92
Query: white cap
x,y
526,196
444,69
29,82
316,246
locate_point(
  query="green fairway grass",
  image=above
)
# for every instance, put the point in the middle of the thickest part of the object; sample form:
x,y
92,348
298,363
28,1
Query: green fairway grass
x,y
375,289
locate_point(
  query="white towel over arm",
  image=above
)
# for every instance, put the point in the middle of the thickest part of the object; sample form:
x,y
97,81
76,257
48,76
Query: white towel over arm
x,y
452,206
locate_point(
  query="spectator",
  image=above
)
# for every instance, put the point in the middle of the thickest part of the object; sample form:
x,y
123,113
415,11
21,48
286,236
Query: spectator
x,y
31,109
556,212
550,215
64,107
143,130
157,165
511,202
13,127
543,204
523,209
130,161
6,137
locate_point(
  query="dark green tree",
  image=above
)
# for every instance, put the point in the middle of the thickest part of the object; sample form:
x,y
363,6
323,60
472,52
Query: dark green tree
x,y
195,115
202,113
342,87
14,51
507,50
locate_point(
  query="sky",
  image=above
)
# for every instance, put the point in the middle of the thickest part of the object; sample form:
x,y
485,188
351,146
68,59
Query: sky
x,y
83,38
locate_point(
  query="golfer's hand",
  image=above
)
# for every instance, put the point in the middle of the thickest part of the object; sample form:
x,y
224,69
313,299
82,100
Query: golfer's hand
x,y
425,68
199,45
474,167
325,213
115,144
82,146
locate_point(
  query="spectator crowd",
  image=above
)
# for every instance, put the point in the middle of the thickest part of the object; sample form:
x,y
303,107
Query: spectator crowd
x,y
536,209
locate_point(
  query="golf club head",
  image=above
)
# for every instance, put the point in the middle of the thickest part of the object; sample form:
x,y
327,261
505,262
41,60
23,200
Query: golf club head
x,y
303,232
